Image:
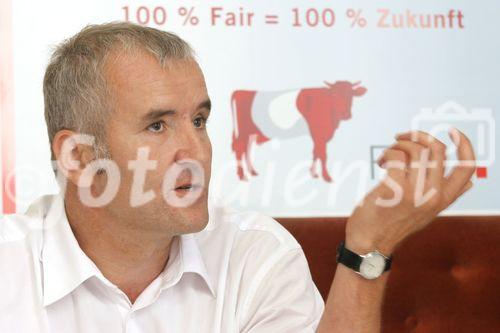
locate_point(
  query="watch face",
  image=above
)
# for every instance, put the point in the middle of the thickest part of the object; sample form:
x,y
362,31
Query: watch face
x,y
372,266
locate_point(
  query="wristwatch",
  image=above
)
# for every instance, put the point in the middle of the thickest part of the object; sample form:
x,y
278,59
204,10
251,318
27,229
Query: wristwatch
x,y
370,266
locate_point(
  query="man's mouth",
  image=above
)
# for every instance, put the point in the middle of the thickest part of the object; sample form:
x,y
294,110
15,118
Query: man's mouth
x,y
187,187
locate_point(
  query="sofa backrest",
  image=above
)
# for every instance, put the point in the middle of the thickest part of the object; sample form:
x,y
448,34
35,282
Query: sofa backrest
x,y
445,278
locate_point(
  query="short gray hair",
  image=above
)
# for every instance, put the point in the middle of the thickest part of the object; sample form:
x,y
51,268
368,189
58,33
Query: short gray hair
x,y
74,87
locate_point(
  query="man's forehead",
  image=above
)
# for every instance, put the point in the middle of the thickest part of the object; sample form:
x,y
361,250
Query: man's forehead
x,y
142,89
128,69
137,83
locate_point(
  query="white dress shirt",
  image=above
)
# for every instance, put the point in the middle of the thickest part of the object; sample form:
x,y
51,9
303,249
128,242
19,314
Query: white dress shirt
x,y
243,273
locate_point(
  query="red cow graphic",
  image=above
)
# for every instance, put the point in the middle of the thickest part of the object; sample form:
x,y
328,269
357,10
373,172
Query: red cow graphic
x,y
259,116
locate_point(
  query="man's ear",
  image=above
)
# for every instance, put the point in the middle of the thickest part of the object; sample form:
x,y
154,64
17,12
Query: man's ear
x,y
73,152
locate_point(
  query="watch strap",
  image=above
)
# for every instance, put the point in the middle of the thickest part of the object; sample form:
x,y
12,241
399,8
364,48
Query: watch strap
x,y
348,258
353,260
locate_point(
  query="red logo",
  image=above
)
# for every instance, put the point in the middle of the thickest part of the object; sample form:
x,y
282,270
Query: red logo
x,y
259,116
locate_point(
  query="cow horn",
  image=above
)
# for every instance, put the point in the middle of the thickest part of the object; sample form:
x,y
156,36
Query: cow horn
x,y
328,83
356,84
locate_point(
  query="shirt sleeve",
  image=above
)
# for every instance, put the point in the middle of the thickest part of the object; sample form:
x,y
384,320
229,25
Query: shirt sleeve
x,y
285,298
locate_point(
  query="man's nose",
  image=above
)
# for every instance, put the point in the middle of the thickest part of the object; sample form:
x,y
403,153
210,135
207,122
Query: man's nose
x,y
191,145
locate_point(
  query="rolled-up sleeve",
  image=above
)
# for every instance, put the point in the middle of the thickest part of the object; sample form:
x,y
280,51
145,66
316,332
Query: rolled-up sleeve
x,y
284,297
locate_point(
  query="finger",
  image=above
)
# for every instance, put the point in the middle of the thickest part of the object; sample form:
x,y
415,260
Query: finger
x,y
414,152
395,162
392,154
461,174
463,190
437,156
467,187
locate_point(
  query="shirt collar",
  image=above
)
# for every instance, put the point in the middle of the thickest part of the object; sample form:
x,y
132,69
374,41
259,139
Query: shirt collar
x,y
192,260
65,266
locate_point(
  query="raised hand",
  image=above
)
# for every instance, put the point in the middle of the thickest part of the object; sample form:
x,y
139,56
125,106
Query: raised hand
x,y
414,191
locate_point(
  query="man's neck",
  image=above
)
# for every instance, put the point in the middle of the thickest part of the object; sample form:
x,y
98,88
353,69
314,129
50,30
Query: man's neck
x,y
129,259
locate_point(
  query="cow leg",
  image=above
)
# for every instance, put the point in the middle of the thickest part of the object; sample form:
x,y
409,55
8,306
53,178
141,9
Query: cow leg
x,y
239,166
313,171
325,174
250,167
248,159
239,147
321,153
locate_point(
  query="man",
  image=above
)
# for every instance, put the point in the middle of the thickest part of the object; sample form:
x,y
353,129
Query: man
x,y
119,250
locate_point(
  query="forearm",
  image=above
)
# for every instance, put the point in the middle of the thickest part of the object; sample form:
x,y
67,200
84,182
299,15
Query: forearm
x,y
353,304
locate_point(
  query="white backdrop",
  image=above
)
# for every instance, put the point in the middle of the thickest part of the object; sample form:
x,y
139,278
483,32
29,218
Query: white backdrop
x,y
448,68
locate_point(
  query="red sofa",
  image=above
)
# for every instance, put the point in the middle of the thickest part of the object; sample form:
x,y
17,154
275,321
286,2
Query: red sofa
x,y
444,279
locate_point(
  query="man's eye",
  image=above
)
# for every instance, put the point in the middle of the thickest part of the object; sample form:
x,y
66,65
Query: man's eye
x,y
200,122
157,127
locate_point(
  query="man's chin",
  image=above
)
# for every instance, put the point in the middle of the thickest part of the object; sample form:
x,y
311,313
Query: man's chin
x,y
194,217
